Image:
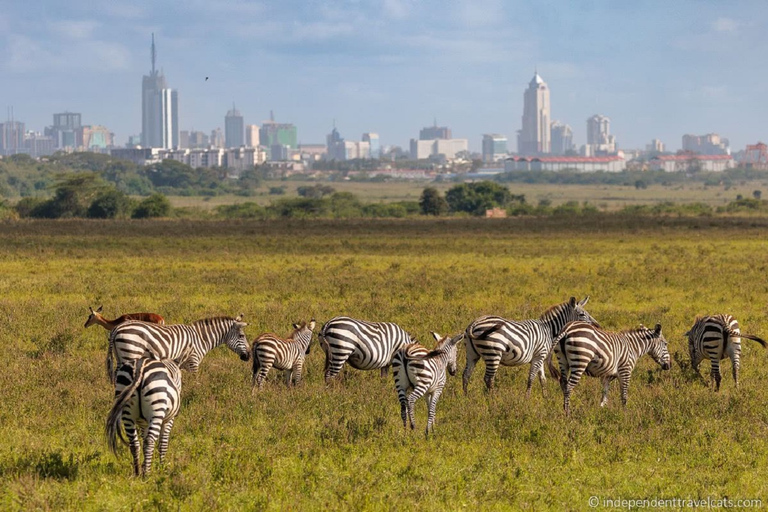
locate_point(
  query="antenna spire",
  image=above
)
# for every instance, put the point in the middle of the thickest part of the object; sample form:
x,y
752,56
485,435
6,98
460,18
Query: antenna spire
x,y
154,54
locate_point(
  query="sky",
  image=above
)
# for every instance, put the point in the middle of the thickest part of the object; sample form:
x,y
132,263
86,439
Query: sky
x,y
657,69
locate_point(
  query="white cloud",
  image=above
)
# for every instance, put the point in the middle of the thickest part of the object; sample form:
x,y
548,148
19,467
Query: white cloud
x,y
72,29
725,25
479,13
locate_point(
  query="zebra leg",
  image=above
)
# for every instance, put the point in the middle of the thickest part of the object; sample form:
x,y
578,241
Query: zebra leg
x,y
431,409
606,382
298,370
573,380
385,372
163,441
537,368
288,377
562,362
735,363
153,432
714,375
417,393
624,375
472,358
333,364
263,371
401,386
491,366
133,440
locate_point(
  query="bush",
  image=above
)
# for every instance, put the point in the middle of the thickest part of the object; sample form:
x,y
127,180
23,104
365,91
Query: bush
x,y
247,210
432,203
111,204
156,205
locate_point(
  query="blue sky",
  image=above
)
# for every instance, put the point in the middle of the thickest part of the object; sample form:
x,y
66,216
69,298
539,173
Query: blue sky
x,y
657,69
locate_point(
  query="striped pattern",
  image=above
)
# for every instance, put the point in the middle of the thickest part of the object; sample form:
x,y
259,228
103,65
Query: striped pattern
x,y
512,343
582,347
425,373
147,397
364,345
185,344
715,338
283,353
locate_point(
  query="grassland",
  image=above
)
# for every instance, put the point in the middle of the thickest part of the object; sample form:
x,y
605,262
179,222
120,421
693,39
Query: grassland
x,y
344,447
605,197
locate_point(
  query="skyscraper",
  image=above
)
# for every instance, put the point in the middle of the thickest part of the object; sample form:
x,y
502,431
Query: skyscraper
x,y
159,110
251,136
233,129
534,137
65,130
435,132
562,138
599,138
494,147
373,139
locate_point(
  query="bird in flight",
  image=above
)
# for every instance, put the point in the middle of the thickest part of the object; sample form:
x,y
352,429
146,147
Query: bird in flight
x,y
206,79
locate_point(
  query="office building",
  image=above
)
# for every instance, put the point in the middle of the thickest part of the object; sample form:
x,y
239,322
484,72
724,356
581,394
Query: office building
x,y
494,147
252,136
11,138
234,129
374,143
561,138
709,144
599,138
159,109
534,137
435,132
278,136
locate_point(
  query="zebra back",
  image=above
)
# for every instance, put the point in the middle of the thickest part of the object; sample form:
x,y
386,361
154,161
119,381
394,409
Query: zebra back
x,y
374,343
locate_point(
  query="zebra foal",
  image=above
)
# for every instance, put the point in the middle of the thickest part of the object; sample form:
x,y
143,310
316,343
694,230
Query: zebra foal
x,y
283,353
499,341
185,344
582,347
364,345
147,399
717,337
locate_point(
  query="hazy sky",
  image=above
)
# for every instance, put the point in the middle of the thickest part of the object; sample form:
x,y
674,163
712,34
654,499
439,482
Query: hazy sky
x,y
656,68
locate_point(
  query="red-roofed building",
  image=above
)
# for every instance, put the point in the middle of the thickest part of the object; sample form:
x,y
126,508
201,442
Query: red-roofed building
x,y
611,163
690,161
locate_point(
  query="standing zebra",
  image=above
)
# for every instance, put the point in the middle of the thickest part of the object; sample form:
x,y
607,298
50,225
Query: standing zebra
x,y
608,355
185,344
717,337
512,343
284,354
147,397
365,345
425,373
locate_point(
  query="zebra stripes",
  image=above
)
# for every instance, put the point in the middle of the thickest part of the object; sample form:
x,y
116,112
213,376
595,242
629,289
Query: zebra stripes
x,y
512,343
424,371
147,397
717,337
582,347
364,345
185,344
284,354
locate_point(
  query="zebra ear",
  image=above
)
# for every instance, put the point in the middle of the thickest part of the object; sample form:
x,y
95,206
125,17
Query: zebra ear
x,y
573,302
296,326
584,302
657,329
312,325
436,336
239,318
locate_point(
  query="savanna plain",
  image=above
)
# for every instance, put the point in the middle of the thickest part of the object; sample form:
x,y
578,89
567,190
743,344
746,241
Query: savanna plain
x,y
343,446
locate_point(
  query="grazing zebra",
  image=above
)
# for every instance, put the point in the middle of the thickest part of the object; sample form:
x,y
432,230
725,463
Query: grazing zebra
x,y
96,318
608,355
717,337
512,343
185,344
284,354
365,345
424,372
147,397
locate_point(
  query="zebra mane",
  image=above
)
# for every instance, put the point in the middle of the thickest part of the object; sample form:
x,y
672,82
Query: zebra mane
x,y
292,336
213,320
553,310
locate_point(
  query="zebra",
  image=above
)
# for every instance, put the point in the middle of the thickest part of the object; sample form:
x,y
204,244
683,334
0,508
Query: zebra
x,y
284,354
717,337
364,345
424,371
147,399
512,343
185,344
582,347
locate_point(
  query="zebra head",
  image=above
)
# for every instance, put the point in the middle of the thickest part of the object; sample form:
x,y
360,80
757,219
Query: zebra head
x,y
236,340
303,333
658,348
450,346
581,314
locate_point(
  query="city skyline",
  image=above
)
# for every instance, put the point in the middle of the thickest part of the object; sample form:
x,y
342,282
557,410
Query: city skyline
x,y
392,67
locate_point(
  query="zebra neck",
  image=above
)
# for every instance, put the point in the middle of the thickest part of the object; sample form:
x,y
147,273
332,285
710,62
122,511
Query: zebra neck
x,y
303,341
554,321
207,339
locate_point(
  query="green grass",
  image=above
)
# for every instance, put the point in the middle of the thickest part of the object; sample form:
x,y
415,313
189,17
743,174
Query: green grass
x,y
344,447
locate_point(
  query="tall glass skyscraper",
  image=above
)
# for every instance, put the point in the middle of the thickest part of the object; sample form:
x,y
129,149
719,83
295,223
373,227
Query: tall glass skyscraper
x,y
234,129
159,110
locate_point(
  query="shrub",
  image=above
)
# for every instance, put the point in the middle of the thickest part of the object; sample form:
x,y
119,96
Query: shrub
x,y
156,205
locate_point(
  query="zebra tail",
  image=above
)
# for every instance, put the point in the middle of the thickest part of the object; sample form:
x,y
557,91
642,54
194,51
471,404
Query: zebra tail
x,y
256,362
761,341
112,429
554,371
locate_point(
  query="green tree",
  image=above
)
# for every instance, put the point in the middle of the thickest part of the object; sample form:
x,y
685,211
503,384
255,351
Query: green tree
x,y
316,191
111,204
432,203
477,197
156,205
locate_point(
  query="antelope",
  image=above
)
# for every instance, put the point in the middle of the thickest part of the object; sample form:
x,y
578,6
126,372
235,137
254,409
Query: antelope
x,y
96,318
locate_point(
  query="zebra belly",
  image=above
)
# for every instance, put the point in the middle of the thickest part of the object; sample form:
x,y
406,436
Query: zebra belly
x,y
357,360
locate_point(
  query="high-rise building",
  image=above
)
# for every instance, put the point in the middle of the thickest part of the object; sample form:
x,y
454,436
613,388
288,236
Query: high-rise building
x,y
709,144
95,138
159,110
11,137
217,138
275,135
65,129
252,136
656,146
435,132
599,138
375,144
534,137
562,138
494,147
233,129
